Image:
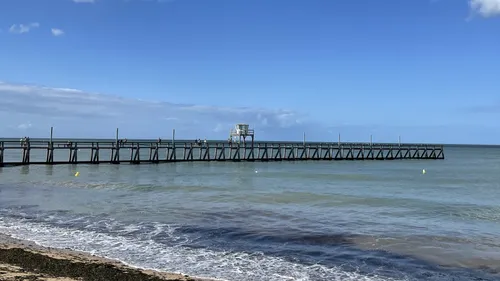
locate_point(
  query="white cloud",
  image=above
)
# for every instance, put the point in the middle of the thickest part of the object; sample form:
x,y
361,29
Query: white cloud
x,y
24,126
57,31
76,113
84,1
23,28
221,127
486,8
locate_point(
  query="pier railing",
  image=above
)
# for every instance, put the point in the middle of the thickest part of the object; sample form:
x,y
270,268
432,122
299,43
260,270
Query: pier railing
x,y
27,152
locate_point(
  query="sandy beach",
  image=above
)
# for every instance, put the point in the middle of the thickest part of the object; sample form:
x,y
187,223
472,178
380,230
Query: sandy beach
x,y
24,260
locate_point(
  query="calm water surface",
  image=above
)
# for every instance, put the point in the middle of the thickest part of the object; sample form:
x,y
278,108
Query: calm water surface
x,y
372,220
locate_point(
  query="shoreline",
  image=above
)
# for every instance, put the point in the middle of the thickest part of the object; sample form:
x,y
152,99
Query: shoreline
x,y
25,260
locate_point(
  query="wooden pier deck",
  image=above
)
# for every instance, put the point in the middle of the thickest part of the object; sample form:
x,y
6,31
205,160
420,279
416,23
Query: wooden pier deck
x,y
47,152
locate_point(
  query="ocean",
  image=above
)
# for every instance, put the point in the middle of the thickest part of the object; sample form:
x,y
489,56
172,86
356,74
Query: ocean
x,y
317,220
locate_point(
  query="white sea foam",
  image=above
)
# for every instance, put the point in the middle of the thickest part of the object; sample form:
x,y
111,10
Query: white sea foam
x,y
148,254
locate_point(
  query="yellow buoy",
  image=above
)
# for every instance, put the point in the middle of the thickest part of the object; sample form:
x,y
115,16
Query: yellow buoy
x,y
423,171
77,174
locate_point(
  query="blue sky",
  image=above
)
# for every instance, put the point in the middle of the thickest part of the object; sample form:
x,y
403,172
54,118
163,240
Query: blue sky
x,y
424,69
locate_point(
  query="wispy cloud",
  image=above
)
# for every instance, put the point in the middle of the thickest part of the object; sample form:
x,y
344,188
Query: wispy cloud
x,y
23,28
485,8
79,113
57,31
84,1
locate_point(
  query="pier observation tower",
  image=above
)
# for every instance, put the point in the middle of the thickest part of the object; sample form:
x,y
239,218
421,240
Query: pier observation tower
x,y
241,131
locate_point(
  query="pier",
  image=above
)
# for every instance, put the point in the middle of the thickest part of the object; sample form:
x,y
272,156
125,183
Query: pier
x,y
57,151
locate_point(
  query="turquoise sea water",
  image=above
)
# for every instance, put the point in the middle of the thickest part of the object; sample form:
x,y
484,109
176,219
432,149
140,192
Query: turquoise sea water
x,y
366,220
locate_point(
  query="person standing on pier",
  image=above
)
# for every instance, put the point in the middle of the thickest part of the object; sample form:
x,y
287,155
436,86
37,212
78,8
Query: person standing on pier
x,y
24,141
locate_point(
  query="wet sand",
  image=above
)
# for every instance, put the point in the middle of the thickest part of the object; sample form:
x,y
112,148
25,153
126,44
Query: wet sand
x,y
24,260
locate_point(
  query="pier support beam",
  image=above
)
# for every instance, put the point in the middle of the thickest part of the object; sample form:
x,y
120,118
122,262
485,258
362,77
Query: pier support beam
x,y
173,156
73,152
2,148
50,148
94,154
26,151
115,155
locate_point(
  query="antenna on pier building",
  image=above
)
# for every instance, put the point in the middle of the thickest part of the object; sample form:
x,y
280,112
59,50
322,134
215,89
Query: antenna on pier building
x,y
241,131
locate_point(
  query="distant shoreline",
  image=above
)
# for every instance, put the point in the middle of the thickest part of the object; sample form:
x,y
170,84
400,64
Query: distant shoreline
x,y
169,140
21,259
